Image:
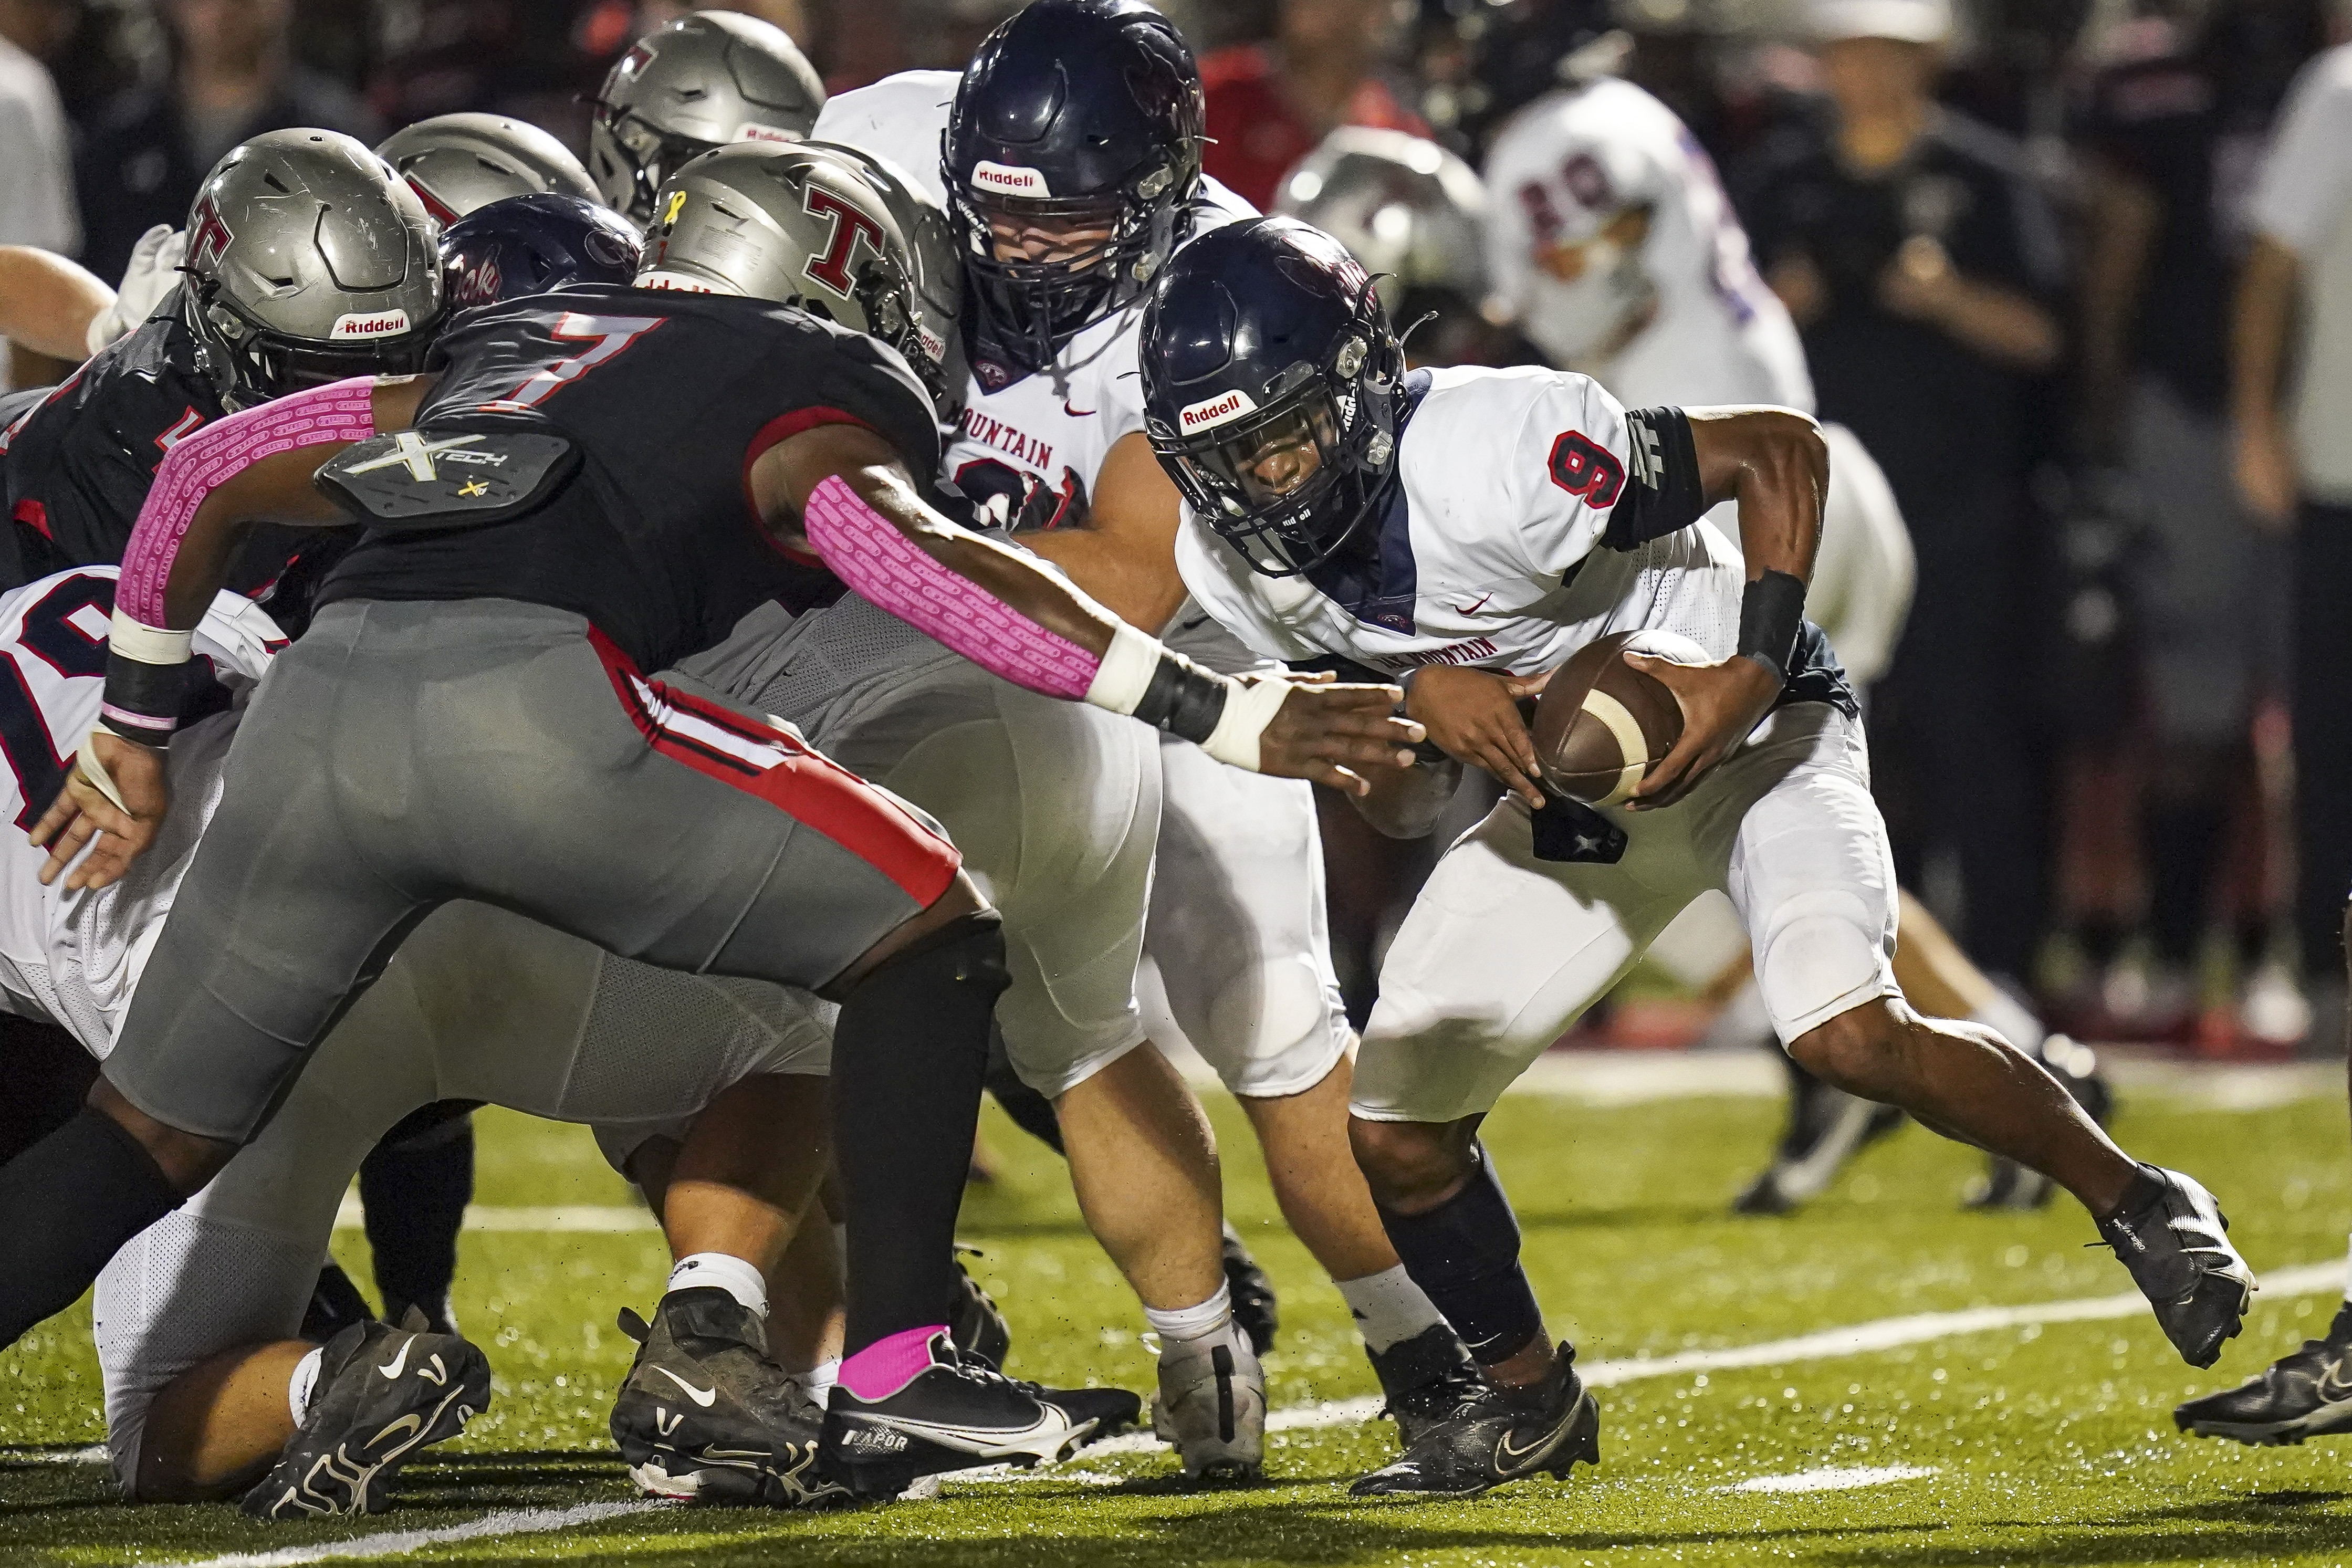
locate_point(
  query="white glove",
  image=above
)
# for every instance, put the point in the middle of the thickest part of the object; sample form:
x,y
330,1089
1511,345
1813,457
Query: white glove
x,y
153,272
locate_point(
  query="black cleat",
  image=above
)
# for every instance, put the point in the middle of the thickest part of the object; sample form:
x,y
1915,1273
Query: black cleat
x,y
707,1415
335,1305
383,1394
974,1321
2006,1184
1425,1379
1254,1308
2173,1238
2305,1394
955,1415
1827,1127
1494,1436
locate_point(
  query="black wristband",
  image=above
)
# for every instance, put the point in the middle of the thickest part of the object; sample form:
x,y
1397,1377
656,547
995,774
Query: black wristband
x,y
143,701
1771,611
1184,699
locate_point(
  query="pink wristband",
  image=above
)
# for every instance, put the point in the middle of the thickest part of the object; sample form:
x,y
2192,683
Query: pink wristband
x,y
894,573
200,463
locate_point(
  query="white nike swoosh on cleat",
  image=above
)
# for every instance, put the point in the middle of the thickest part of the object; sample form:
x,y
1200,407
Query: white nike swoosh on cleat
x,y
706,1397
1053,1424
391,1374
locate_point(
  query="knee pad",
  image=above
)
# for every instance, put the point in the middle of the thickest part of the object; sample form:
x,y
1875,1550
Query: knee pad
x,y
1815,966
968,952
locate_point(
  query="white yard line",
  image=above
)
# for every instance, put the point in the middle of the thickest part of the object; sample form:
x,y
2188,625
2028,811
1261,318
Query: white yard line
x,y
1858,1339
599,1218
1836,1479
398,1542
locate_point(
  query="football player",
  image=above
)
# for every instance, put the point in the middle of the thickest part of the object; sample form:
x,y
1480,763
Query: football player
x,y
465,718
208,1382
1611,244
1068,158
459,163
1469,530
76,462
706,79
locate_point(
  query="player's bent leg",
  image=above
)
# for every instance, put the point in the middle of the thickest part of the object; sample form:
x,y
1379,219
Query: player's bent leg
x,y
707,1413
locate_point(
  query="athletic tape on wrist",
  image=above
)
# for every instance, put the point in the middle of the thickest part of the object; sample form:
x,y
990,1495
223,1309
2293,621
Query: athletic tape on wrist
x,y
149,645
1250,707
1771,612
201,462
1126,671
86,762
893,573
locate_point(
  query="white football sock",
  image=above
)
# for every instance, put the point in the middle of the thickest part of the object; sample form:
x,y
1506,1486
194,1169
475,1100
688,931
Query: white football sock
x,y
1210,1321
819,1380
1389,1308
729,1273
2012,1021
299,1386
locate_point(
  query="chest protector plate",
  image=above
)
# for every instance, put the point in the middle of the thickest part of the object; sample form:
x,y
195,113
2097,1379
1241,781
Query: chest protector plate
x,y
420,479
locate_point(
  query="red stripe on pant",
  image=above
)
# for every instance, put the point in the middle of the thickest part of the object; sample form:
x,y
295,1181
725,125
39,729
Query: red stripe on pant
x,y
788,774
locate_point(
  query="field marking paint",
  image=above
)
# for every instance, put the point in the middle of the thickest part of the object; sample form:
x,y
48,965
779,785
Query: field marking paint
x,y
1858,1339
93,1455
587,1218
398,1542
1836,1479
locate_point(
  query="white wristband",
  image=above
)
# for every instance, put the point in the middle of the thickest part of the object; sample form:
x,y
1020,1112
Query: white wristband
x,y
1250,707
1125,671
149,645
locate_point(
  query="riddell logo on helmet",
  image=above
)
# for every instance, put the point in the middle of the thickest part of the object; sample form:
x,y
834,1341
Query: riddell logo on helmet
x,y
1005,180
372,325
752,131
1216,411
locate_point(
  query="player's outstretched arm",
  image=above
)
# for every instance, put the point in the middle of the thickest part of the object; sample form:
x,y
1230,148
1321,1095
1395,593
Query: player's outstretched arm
x,y
253,467
843,489
47,303
1124,555
1775,465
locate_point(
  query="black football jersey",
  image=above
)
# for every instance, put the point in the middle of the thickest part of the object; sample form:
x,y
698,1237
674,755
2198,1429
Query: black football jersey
x,y
78,464
670,398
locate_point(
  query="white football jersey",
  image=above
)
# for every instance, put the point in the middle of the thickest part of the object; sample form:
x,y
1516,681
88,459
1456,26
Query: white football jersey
x,y
1572,160
1028,453
75,957
1489,546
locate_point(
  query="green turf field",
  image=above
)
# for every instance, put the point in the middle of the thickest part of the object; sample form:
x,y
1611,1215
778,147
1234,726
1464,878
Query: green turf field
x,y
2036,1442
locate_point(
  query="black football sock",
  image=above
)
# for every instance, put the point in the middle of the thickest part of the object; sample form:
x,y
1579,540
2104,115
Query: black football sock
x,y
414,1187
1465,1256
1030,1112
70,1202
909,1056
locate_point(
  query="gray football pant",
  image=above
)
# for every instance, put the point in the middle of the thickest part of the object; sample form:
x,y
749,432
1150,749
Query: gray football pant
x,y
402,755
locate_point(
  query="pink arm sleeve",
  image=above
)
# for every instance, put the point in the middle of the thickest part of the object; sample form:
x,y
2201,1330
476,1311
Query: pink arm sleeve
x,y
892,572
200,463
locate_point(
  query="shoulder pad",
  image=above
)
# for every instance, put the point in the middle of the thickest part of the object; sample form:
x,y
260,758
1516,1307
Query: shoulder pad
x,y
427,479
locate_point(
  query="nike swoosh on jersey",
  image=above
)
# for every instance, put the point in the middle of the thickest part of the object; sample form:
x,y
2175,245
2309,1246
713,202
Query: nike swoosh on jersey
x,y
706,1397
1078,413
399,1363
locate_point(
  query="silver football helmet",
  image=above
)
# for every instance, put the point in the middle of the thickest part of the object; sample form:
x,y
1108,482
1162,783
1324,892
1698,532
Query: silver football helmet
x,y
699,82
799,225
936,274
459,162
1408,209
309,260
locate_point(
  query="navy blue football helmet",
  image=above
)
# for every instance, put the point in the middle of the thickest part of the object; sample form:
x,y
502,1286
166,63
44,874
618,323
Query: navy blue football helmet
x,y
1272,381
1083,114
529,244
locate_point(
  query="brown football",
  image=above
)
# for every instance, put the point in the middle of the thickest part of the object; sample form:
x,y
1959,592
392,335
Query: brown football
x,y
1600,723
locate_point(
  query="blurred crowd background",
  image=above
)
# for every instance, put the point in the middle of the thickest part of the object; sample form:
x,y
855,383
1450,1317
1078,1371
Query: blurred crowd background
x,y
2039,267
